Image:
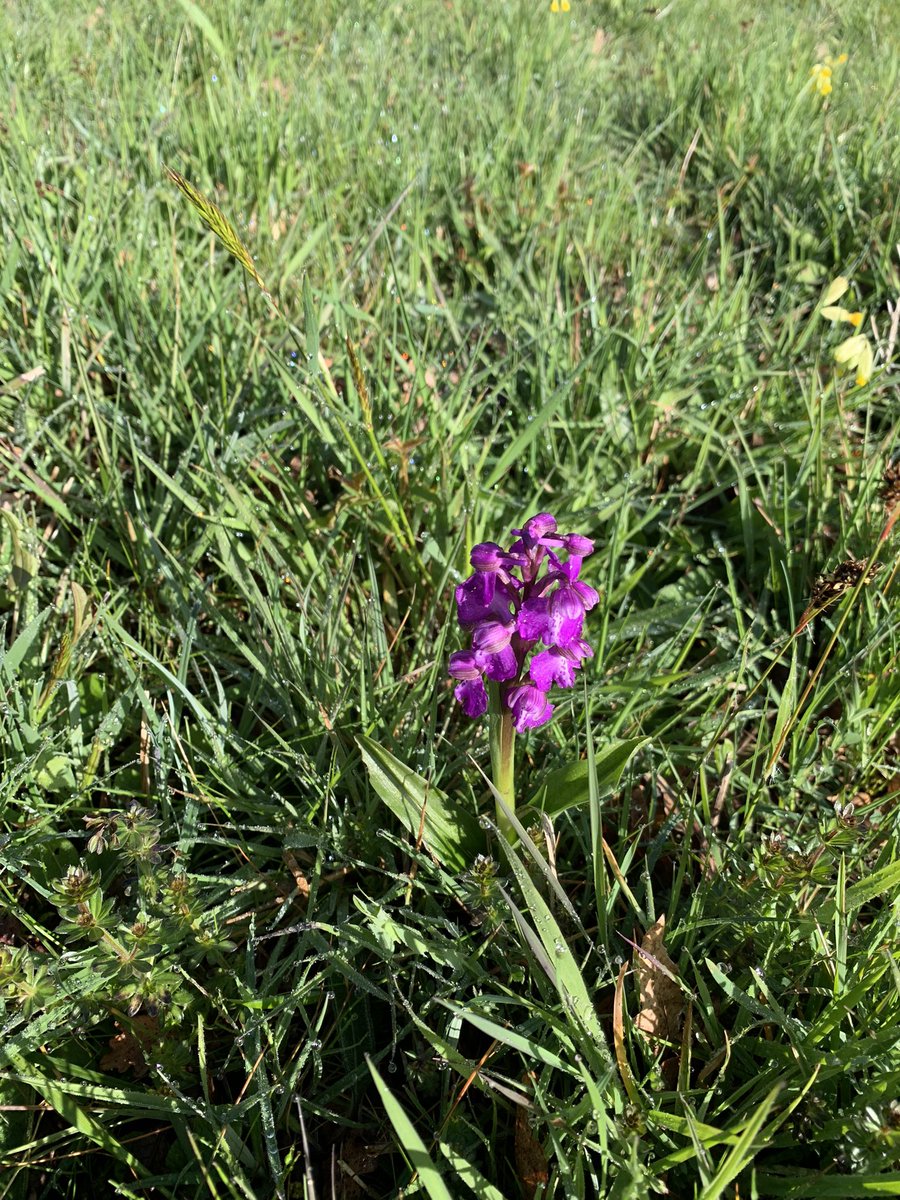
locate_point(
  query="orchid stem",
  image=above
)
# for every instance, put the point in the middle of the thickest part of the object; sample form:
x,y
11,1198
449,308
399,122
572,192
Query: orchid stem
x,y
503,760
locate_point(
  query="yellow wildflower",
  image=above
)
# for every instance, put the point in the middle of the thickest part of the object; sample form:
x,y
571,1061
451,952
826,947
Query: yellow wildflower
x,y
559,6
854,352
835,289
849,351
865,364
835,313
823,71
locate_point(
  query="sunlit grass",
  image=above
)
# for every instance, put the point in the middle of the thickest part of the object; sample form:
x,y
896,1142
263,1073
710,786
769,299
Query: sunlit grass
x,y
520,260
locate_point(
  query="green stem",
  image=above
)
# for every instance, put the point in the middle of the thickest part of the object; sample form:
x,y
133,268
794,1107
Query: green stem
x,y
503,759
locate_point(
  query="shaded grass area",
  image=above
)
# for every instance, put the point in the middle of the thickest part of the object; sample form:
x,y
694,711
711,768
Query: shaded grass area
x,y
580,258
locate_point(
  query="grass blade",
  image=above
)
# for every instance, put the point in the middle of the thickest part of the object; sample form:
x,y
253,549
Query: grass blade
x,y
409,1141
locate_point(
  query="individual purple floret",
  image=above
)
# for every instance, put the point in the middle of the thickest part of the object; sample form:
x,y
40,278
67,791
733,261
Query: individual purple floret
x,y
512,610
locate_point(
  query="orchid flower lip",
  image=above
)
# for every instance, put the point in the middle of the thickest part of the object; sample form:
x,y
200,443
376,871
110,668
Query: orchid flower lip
x,y
491,636
501,666
539,526
530,707
472,695
464,665
575,543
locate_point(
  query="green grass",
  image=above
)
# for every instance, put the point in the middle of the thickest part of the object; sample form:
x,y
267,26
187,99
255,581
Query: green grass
x,y
581,272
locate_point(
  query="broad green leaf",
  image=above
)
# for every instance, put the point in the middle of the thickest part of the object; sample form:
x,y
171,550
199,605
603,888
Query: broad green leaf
x,y
523,439
784,718
470,1174
79,1118
55,774
21,647
311,321
24,563
840,1008
569,786
815,1186
199,18
450,832
509,1037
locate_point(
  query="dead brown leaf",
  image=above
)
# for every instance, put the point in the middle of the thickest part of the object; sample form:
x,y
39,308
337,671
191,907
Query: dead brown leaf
x,y
662,1000
126,1049
357,1158
531,1162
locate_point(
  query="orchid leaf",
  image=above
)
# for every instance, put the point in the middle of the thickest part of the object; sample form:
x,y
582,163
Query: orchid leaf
x,y
451,833
568,787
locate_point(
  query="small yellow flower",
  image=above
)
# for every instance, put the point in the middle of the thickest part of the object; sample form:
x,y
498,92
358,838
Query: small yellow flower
x,y
856,354
821,78
865,364
848,352
821,73
559,6
835,289
834,313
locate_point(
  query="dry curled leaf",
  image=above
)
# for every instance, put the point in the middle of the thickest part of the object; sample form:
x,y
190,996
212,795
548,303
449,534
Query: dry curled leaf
x,y
662,1001
300,880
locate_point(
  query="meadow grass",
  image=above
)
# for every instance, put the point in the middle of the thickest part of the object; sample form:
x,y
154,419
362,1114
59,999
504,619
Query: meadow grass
x,y
579,260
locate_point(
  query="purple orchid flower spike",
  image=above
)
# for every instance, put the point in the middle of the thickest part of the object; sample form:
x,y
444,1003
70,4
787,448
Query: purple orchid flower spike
x,y
524,608
510,605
